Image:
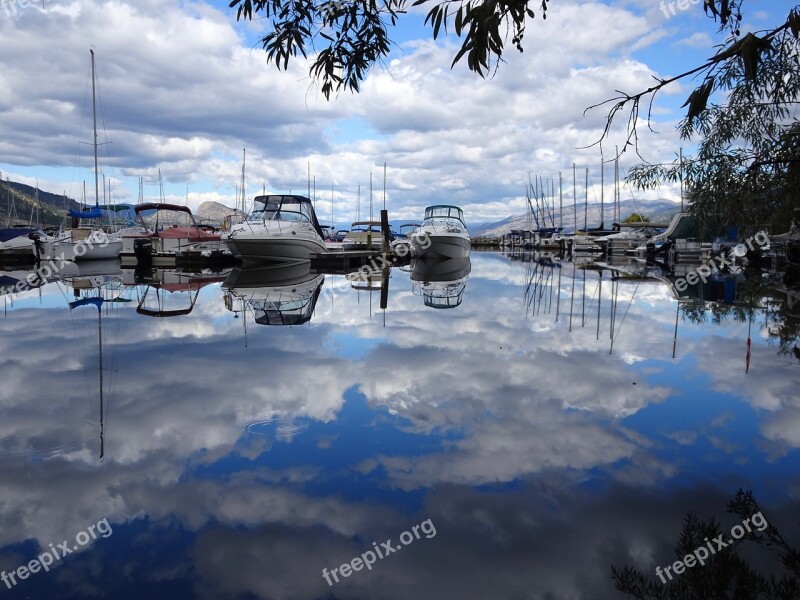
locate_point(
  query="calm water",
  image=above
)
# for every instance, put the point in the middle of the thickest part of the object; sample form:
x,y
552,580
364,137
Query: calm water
x,y
542,425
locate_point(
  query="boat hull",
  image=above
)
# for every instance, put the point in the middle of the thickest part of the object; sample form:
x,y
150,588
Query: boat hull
x,y
181,247
82,244
294,245
440,245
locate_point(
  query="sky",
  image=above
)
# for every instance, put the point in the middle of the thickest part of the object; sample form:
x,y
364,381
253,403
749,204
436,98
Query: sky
x,y
184,89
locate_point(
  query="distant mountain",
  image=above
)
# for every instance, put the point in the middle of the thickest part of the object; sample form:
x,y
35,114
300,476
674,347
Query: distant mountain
x,y
213,212
658,211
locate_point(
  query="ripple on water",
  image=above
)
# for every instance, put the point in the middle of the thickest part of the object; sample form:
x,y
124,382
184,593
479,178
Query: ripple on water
x,y
42,437
280,428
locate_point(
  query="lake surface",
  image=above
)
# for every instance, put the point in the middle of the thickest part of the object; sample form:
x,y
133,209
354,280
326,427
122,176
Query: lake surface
x,y
512,430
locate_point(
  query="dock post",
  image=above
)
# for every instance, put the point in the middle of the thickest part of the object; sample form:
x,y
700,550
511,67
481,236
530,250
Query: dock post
x,y
385,230
385,287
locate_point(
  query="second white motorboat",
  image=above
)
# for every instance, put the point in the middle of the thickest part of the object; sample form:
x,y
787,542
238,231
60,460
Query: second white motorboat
x,y
443,233
282,228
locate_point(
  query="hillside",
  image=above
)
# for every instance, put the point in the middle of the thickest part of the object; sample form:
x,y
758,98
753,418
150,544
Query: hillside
x,y
18,205
656,210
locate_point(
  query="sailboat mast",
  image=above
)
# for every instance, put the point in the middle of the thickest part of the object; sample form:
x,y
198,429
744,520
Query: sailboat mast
x,y
574,197
94,127
602,191
586,201
244,162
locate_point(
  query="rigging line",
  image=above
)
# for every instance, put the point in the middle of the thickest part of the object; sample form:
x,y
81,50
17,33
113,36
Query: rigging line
x,y
616,335
594,190
112,368
635,204
84,346
108,141
76,164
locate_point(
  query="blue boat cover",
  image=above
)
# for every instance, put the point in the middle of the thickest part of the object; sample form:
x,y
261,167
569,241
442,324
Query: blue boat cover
x,y
98,302
10,233
94,213
6,281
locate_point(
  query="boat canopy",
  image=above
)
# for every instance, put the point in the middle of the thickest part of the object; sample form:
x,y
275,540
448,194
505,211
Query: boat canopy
x,y
366,226
444,211
284,207
140,208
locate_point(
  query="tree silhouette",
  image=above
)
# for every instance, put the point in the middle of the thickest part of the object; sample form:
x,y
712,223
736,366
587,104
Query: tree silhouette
x,y
725,574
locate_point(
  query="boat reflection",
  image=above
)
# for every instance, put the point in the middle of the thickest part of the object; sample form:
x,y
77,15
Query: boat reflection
x,y
169,292
277,294
441,283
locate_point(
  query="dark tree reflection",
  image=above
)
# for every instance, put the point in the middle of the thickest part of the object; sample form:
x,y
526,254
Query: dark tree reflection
x,y
725,575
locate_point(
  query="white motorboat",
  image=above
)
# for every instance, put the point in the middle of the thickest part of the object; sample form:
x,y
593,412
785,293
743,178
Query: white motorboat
x,y
282,228
169,236
364,235
82,243
585,244
624,241
443,233
21,247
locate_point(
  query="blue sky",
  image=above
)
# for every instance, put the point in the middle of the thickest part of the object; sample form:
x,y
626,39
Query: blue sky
x,y
185,87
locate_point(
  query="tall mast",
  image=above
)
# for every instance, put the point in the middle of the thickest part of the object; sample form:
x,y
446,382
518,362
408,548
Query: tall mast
x,y
602,190
574,197
94,123
617,207
244,159
586,201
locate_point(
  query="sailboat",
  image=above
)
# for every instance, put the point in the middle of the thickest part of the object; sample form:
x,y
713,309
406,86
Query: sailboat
x,y
85,242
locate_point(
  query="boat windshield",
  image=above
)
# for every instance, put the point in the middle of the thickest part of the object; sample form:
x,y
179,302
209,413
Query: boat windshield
x,y
449,217
444,211
280,208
